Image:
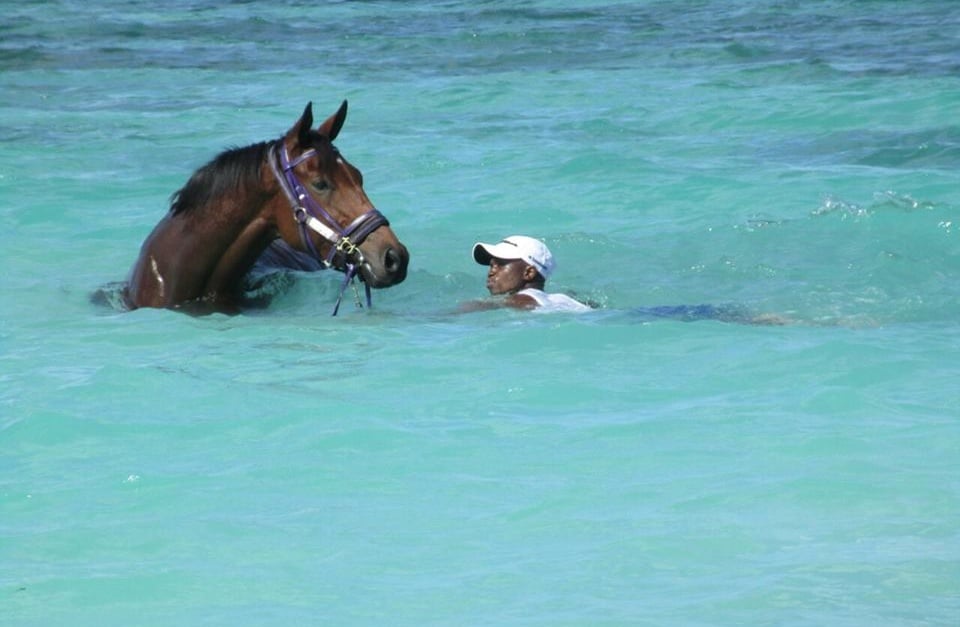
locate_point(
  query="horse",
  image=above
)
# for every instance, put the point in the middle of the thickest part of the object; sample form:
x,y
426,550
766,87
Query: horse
x,y
297,190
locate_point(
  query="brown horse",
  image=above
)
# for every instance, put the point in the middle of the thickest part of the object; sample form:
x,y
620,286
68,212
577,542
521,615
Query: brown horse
x,y
298,188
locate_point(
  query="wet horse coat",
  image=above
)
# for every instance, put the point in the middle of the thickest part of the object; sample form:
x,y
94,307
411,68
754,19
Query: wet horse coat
x,y
298,188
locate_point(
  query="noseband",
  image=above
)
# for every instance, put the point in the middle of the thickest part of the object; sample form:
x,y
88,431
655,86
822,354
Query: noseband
x,y
310,215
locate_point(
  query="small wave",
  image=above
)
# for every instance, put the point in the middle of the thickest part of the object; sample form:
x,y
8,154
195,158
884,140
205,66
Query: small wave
x,y
111,296
882,201
831,205
903,202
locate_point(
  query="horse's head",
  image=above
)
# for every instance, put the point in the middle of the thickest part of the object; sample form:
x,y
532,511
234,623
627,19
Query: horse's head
x,y
332,218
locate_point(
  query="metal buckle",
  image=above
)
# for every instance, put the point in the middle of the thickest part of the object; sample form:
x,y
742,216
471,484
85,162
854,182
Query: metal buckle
x,y
346,247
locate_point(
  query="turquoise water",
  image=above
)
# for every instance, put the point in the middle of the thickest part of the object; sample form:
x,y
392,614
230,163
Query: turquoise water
x,y
406,465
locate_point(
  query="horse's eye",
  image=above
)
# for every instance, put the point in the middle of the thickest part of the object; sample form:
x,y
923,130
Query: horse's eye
x,y
320,185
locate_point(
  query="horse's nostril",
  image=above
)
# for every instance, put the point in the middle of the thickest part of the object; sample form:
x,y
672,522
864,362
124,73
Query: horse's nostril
x,y
393,261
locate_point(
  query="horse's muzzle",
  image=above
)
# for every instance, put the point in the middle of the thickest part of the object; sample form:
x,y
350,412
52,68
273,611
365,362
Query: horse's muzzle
x,y
389,269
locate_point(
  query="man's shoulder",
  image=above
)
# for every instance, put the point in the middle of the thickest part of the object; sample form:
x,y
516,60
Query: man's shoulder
x,y
554,302
522,300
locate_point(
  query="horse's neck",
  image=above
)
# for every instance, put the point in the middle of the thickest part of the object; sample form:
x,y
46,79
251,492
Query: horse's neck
x,y
239,257
204,254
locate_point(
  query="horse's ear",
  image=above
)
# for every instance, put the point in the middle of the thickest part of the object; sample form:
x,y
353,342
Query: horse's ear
x,y
300,132
331,128
306,120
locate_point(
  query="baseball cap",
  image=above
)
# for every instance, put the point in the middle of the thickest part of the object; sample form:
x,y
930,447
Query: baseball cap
x,y
530,250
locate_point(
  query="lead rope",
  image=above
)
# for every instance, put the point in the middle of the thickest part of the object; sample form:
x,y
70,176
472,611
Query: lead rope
x,y
348,277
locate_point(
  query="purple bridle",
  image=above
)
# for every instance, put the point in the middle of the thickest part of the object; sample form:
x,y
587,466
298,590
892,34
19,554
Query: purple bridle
x,y
310,215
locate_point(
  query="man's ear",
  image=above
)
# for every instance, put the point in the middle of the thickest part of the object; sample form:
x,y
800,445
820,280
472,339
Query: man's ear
x,y
530,273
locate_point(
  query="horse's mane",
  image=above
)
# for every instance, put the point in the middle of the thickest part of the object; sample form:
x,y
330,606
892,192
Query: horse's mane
x,y
232,171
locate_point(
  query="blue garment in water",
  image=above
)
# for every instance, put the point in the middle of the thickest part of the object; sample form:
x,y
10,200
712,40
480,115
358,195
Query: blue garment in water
x,y
279,255
690,313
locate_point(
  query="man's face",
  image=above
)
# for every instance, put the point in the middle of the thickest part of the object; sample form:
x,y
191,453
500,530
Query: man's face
x,y
505,276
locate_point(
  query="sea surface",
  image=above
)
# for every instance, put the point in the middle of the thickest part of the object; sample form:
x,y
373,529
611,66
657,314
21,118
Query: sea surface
x,y
409,465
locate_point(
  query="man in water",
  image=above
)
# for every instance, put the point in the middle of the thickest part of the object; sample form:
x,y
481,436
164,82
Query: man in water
x,y
519,269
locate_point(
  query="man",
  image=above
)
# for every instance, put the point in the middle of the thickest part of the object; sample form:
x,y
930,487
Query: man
x,y
519,269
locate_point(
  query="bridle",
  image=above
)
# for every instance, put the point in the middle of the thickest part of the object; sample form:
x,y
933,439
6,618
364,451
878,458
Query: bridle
x,y
310,215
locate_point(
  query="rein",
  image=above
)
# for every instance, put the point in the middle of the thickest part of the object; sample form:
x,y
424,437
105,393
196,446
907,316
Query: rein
x,y
310,215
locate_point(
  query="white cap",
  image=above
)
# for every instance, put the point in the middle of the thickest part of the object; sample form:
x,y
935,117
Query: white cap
x,y
530,250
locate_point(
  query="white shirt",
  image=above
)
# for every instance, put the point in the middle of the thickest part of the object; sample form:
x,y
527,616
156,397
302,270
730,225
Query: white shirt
x,y
554,302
